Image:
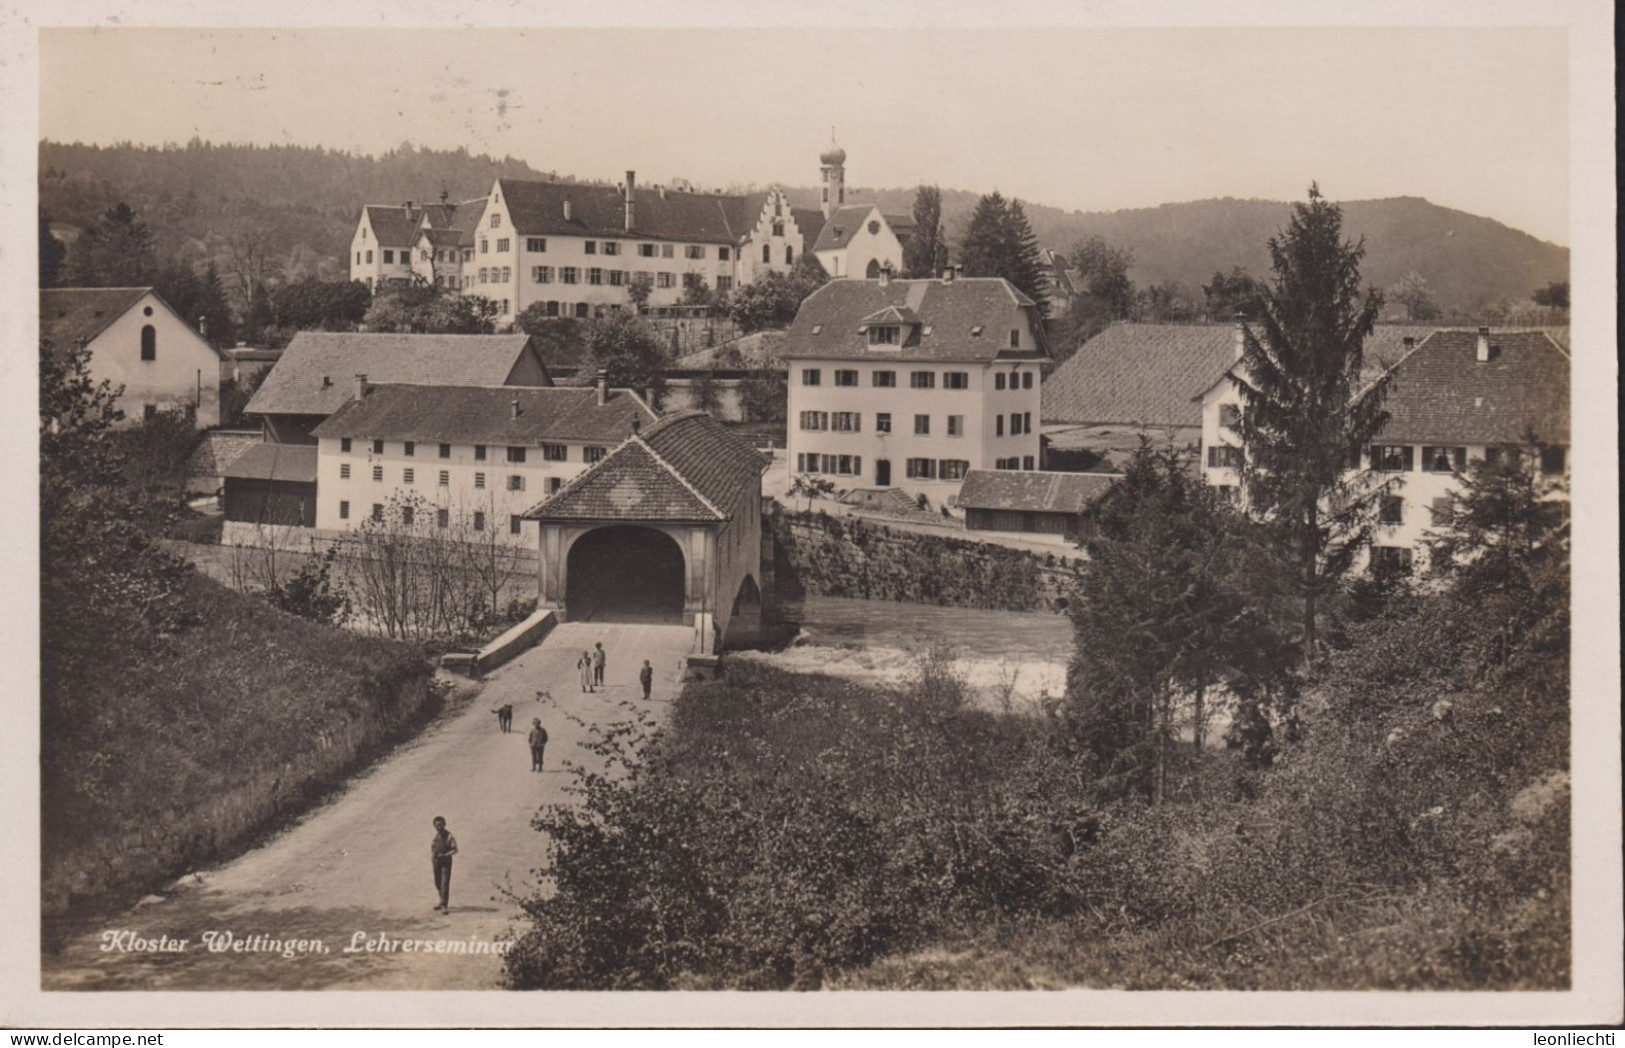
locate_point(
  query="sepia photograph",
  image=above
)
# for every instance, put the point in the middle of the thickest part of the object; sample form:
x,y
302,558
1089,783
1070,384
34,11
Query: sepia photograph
x,y
803,508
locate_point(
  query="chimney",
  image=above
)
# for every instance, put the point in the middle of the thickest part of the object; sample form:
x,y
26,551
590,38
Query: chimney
x,y
603,387
513,408
327,380
567,209
1240,336
203,326
1410,342
360,386
637,424
631,185
445,195
885,274
1483,344
948,275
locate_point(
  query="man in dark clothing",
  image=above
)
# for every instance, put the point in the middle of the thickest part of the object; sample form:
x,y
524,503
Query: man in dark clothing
x,y
441,849
598,659
538,743
646,677
504,718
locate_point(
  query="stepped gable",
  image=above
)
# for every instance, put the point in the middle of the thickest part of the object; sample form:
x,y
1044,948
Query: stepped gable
x,y
685,468
1442,394
518,416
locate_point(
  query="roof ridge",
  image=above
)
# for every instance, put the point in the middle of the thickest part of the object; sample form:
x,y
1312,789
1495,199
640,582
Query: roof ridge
x,y
692,490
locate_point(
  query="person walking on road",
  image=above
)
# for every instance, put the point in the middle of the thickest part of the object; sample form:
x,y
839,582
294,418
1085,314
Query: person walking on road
x,y
599,658
441,849
538,743
646,677
584,664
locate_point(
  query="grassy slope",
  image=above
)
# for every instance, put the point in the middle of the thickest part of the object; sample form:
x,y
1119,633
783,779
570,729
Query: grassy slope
x,y
166,751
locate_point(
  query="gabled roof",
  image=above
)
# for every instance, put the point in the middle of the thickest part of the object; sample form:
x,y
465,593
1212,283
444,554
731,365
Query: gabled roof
x,y
537,208
70,314
485,415
1140,374
892,315
685,468
294,463
757,349
952,310
442,237
1033,492
1442,394
316,372
218,449
843,225
392,226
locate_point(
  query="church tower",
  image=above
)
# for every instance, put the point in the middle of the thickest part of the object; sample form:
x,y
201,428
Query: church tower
x,y
833,160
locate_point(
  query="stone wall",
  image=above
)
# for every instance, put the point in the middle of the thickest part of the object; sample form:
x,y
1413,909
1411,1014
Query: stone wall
x,y
815,553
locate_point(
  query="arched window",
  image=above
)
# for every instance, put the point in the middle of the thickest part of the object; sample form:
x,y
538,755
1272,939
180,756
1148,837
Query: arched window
x,y
789,255
149,342
767,253
873,272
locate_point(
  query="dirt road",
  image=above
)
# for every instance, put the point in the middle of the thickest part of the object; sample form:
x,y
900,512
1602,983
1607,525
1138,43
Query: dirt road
x,y
358,867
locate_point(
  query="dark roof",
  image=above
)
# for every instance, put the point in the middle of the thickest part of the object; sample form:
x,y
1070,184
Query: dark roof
x,y
538,208
443,237
1140,374
686,467
218,449
295,384
757,349
1441,394
951,309
439,216
810,220
69,314
295,463
484,415
392,226
1033,492
843,225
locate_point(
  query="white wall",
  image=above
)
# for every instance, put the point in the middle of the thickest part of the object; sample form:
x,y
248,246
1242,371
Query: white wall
x,y
853,260
185,372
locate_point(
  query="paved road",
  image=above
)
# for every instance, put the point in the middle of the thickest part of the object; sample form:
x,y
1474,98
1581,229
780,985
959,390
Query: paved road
x,y
361,862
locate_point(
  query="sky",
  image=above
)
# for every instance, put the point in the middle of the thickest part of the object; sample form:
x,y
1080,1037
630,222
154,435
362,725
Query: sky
x,y
1090,119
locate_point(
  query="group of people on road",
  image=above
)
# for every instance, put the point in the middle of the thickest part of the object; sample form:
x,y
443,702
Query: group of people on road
x,y
592,664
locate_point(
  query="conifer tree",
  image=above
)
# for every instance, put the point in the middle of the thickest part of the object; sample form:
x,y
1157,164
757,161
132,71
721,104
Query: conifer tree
x,y
926,253
1305,417
999,242
116,251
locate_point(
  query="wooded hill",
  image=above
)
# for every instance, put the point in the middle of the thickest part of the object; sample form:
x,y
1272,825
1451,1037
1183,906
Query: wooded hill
x,y
304,201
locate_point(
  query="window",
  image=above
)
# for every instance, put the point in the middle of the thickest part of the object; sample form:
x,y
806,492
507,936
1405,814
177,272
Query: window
x,y
409,448
442,518
369,259
922,425
593,454
1443,511
581,310
595,275
998,425
541,274
149,342
485,275
767,254
722,254
445,451
479,480
921,469
956,425
503,244
665,280
955,380
846,377
815,421
555,452
496,221
1444,460
1015,425
845,421
1229,415
513,524
516,482
692,279
1026,380
1395,560
507,275
554,484
778,229
617,278
479,452
569,275
1553,459
536,244
445,478
811,377
998,380
693,251
1391,458
377,474
344,471
883,422
885,335
646,251
1392,510
406,476
1026,421
389,257
922,380
725,284
1223,456
485,246
789,255
1015,338
344,445
344,511
378,512
612,247
589,247
516,454
952,469
884,379
479,521
1027,462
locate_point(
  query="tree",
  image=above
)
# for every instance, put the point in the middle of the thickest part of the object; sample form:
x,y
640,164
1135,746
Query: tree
x,y
1554,295
771,301
1507,520
557,339
116,251
1304,417
52,253
1167,302
696,292
320,304
707,394
638,292
628,349
1234,293
764,393
1413,293
926,253
200,301
809,486
999,242
1105,292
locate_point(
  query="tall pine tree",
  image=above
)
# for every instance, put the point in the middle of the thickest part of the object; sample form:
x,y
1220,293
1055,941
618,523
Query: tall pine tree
x,y
116,251
999,242
1305,418
926,253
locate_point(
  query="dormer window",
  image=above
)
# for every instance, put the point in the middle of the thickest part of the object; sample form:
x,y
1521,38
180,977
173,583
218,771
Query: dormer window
x,y
885,335
976,332
926,330
817,329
